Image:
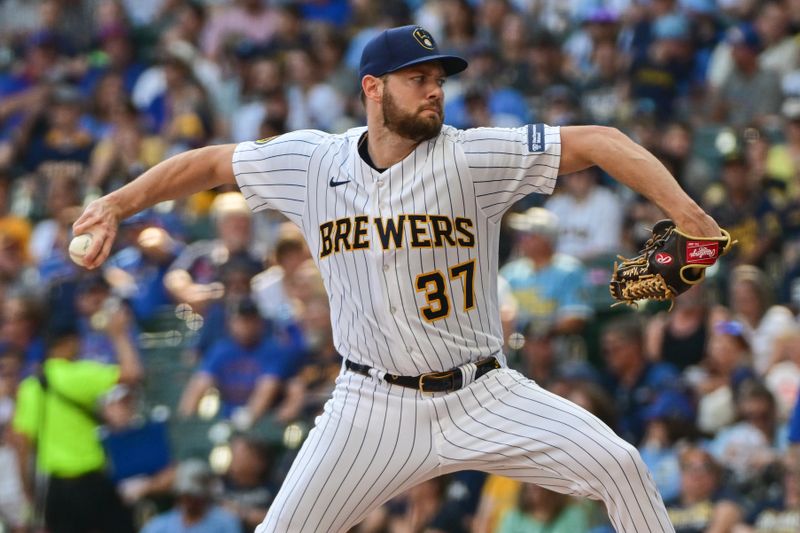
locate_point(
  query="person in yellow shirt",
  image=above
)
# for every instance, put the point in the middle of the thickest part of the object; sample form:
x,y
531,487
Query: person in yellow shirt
x,y
57,416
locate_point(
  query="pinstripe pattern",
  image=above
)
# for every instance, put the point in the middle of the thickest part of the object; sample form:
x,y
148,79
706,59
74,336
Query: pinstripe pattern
x,y
375,440
375,309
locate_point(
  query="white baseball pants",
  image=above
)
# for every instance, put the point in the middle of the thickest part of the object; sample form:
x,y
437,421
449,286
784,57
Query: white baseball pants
x,y
376,440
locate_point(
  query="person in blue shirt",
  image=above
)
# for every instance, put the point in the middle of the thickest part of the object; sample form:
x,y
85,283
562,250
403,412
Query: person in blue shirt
x,y
136,272
632,380
195,511
247,366
670,419
548,287
95,306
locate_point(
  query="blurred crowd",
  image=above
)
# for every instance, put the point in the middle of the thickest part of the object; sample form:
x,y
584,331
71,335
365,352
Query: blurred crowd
x,y
172,389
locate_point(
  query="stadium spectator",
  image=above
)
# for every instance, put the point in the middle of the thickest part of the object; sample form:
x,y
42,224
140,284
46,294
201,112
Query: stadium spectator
x,y
22,332
749,448
728,366
125,151
56,415
670,421
312,102
412,511
704,503
274,289
780,513
752,303
603,87
540,509
780,52
749,93
679,337
589,216
247,367
633,381
242,20
783,375
195,509
247,489
61,196
547,286
57,135
116,48
262,80
194,276
742,206
100,317
458,26
661,76
136,272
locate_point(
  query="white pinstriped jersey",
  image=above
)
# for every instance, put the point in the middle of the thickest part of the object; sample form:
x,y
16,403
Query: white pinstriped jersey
x,y
409,256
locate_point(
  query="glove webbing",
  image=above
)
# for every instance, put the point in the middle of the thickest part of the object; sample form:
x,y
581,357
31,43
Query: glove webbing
x,y
652,287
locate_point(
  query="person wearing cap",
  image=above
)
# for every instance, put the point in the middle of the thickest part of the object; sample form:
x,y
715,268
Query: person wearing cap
x,y
741,204
247,366
63,139
136,272
403,219
549,288
779,46
661,76
56,422
632,380
104,323
749,94
194,276
728,365
195,510
669,421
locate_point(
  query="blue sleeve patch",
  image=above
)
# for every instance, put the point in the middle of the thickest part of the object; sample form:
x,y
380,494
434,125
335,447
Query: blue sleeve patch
x,y
535,138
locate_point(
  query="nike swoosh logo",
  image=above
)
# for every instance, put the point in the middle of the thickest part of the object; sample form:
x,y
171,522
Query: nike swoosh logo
x,y
333,183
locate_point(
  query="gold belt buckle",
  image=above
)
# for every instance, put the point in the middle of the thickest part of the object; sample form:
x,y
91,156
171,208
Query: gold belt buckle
x,y
435,375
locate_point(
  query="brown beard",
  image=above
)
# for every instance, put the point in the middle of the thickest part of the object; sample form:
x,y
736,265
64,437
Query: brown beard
x,y
409,125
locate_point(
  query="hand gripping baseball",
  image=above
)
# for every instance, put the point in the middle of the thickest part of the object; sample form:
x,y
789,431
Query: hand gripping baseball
x,y
670,263
101,219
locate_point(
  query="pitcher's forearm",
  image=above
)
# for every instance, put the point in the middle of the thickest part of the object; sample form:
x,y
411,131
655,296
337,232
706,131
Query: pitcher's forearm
x,y
632,165
177,177
640,170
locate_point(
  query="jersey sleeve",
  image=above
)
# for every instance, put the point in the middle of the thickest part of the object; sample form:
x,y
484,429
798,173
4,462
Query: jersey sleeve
x,y
507,164
273,173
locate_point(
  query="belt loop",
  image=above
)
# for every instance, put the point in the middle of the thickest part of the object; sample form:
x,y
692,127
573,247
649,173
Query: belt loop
x,y
468,372
377,374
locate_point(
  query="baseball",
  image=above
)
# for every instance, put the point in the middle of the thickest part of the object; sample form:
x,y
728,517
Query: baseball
x,y
78,247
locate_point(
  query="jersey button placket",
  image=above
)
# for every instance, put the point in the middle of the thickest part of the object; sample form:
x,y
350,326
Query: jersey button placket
x,y
383,211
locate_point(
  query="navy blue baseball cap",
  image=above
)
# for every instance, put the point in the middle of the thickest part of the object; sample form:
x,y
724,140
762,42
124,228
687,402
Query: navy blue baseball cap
x,y
402,47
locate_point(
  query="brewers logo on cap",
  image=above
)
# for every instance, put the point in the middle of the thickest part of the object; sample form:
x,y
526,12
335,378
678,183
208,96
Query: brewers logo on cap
x,y
424,38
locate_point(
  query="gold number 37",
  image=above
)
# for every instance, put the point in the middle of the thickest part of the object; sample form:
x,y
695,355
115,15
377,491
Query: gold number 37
x,y
435,289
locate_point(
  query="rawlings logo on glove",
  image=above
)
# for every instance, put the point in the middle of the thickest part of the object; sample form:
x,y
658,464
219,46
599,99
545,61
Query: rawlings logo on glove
x,y
670,263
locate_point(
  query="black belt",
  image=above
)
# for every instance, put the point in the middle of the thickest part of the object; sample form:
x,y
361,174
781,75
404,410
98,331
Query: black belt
x,y
447,381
